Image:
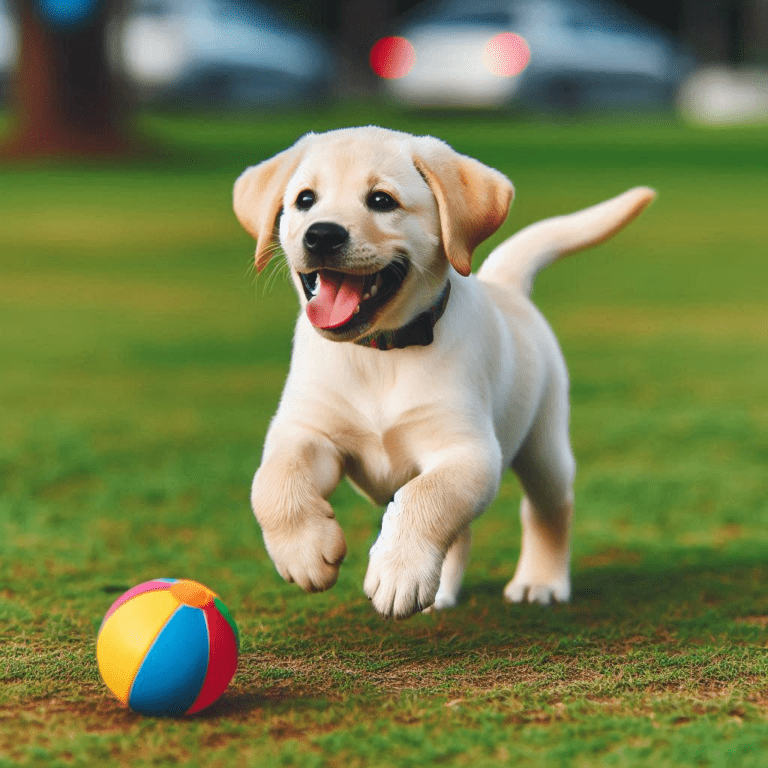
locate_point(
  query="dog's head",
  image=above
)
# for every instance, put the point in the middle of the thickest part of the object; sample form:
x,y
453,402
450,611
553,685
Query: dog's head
x,y
371,221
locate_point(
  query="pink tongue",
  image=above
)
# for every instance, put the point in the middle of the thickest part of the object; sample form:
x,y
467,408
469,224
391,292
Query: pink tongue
x,y
337,296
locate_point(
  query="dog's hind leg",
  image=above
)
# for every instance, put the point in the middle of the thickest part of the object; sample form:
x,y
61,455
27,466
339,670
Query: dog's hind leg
x,y
452,573
546,468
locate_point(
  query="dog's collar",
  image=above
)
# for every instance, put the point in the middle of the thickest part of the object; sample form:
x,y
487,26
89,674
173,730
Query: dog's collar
x,y
418,333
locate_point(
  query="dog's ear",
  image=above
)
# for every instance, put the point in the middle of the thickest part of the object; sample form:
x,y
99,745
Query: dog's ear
x,y
258,199
472,199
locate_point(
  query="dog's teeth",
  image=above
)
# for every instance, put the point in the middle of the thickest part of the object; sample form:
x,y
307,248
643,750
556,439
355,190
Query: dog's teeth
x,y
357,309
377,283
374,290
366,296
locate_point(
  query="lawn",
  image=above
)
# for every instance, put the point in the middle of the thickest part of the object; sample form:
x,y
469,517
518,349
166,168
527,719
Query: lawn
x,y
141,360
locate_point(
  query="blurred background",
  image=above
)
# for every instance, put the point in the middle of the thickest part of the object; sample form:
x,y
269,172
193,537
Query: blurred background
x,y
72,70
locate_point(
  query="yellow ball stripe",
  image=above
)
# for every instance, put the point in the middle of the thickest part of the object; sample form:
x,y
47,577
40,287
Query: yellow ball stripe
x,y
127,635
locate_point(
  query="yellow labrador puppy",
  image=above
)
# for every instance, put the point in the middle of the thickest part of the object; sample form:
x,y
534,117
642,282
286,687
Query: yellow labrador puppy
x,y
417,380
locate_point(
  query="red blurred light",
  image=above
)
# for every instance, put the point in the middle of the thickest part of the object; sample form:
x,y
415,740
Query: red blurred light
x,y
506,54
392,57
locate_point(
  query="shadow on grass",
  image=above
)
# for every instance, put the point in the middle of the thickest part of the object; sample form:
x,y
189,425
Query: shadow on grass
x,y
675,597
236,705
679,589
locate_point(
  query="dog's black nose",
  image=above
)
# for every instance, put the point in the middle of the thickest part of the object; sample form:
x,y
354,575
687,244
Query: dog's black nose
x,y
324,238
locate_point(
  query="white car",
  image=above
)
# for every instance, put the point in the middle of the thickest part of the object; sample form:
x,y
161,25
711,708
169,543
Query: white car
x,y
570,54
220,51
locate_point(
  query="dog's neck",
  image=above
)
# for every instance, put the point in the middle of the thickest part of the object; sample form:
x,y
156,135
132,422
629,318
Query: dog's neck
x,y
418,333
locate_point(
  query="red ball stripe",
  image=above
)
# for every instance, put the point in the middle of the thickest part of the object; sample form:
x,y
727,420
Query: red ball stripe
x,y
222,658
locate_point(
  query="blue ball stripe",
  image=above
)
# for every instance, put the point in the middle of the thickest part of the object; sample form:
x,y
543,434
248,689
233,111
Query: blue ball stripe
x,y
174,668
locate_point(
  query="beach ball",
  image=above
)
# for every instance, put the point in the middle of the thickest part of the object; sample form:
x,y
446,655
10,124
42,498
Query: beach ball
x,y
167,647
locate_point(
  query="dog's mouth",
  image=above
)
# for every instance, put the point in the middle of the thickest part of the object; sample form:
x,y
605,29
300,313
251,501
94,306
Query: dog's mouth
x,y
343,303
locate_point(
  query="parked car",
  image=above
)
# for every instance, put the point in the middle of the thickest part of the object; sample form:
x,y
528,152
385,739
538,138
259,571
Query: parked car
x,y
583,53
221,51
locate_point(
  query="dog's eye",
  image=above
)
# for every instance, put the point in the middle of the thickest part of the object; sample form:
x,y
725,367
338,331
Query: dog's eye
x,y
381,201
305,200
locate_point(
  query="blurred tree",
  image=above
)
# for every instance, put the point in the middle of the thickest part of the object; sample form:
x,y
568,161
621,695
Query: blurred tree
x,y
65,98
733,31
715,31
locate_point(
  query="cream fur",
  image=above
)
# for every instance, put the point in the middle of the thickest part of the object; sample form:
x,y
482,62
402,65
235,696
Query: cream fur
x,y
427,431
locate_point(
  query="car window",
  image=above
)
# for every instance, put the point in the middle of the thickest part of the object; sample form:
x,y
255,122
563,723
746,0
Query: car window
x,y
478,17
488,12
606,18
253,13
149,7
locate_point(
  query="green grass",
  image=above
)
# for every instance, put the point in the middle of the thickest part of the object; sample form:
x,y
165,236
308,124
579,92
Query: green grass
x,y
140,362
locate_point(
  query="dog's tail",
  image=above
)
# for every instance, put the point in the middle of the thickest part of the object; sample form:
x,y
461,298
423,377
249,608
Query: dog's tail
x,y
517,261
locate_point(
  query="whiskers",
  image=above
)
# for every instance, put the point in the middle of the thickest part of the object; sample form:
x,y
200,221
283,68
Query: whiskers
x,y
424,274
276,268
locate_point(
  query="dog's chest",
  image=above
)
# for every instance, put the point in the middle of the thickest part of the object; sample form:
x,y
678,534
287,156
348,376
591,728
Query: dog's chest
x,y
384,411
378,450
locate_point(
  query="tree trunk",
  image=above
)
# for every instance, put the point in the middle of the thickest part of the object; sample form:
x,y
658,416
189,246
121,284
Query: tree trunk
x,y
66,100
717,31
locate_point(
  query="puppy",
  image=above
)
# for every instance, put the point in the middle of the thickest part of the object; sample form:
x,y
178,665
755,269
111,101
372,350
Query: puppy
x,y
418,381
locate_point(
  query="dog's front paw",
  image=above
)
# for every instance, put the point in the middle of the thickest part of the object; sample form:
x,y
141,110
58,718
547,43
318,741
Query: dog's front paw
x,y
308,553
403,573
402,583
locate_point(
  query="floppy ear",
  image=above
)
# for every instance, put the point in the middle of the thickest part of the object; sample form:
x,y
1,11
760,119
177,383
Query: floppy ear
x,y
472,199
258,199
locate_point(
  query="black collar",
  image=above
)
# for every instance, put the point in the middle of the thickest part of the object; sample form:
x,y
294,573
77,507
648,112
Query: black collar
x,y
419,332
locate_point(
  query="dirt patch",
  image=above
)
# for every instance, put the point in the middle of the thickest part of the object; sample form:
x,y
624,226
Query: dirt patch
x,y
610,556
272,691
102,706
754,621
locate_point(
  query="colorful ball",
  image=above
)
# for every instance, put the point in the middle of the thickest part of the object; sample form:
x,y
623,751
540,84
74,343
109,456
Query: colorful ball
x,y
167,647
